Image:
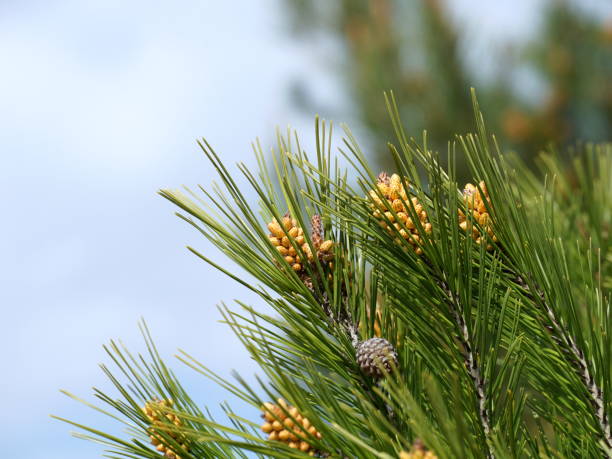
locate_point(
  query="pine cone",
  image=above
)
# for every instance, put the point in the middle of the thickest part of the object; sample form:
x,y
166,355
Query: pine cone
x,y
418,451
282,233
316,230
281,427
375,353
395,197
476,204
155,411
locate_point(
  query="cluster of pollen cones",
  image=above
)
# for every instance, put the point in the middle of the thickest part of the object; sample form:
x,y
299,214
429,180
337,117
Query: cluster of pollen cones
x,y
475,203
286,424
391,194
398,212
287,236
155,411
418,451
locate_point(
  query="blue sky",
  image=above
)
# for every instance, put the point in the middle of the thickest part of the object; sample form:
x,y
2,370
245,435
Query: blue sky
x,y
100,104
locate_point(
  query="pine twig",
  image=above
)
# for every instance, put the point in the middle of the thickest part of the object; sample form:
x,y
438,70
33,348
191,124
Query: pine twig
x,y
343,320
470,361
563,338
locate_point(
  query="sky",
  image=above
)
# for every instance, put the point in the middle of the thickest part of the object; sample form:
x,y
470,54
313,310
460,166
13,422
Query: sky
x,y
100,105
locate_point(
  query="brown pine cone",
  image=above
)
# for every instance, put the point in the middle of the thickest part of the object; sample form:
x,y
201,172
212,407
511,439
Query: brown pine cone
x,y
374,353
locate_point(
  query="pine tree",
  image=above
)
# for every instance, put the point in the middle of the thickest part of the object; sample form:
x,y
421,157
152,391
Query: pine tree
x,y
419,49
415,317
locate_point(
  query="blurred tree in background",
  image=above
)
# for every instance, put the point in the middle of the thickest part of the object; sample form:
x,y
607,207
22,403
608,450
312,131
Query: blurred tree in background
x,y
417,50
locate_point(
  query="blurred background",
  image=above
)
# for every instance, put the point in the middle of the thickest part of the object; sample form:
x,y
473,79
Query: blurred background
x,y
100,106
542,69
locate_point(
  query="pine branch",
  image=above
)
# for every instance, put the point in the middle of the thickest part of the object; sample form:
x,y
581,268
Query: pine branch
x,y
438,299
470,360
563,338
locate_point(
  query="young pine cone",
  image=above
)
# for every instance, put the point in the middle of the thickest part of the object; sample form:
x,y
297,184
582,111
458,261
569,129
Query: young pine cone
x,y
287,429
154,410
282,233
394,196
374,353
475,203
